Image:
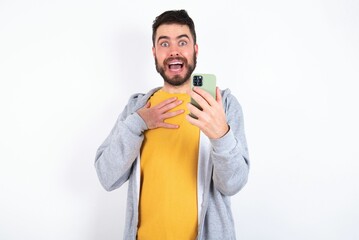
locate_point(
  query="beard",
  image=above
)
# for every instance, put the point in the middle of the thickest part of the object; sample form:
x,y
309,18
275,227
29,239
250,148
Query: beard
x,y
176,80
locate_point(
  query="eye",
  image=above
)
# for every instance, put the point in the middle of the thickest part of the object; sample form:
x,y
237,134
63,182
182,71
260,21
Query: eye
x,y
182,43
164,44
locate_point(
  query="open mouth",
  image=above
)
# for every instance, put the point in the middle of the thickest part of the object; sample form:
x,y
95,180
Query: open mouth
x,y
175,65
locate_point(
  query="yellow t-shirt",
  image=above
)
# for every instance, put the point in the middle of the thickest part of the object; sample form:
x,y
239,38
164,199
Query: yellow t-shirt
x,y
168,198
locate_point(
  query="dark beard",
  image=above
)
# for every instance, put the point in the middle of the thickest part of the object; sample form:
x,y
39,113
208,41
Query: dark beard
x,y
177,80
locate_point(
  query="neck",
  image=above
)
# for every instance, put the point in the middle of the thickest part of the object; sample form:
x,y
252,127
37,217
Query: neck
x,y
184,88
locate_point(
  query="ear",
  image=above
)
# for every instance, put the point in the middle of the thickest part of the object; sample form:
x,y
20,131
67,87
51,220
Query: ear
x,y
154,51
196,49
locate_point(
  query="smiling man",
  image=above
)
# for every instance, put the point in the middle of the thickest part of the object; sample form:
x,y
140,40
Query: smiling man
x,y
174,53
181,171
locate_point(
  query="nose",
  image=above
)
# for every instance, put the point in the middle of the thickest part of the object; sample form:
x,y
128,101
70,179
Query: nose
x,y
174,51
174,54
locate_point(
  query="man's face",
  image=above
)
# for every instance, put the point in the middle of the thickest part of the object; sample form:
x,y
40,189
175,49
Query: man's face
x,y
175,53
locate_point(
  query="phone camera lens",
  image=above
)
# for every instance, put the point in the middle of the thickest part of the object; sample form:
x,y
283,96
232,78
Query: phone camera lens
x,y
200,81
197,80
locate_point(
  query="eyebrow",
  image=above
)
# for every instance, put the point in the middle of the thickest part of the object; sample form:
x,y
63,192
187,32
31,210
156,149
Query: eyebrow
x,y
166,37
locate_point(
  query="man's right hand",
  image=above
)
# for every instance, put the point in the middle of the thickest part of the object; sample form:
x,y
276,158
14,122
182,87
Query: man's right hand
x,y
154,116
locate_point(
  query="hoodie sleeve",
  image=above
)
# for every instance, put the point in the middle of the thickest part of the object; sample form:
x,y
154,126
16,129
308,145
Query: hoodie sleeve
x,y
230,153
116,155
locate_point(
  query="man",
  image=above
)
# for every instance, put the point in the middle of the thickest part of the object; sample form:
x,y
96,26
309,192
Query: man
x,y
181,170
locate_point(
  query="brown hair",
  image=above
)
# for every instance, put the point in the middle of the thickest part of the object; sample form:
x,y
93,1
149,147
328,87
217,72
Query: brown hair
x,y
174,17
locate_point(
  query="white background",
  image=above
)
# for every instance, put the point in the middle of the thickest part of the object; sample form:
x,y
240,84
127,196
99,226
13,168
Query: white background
x,y
68,67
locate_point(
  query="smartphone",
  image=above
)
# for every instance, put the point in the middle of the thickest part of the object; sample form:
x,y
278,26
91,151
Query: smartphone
x,y
205,81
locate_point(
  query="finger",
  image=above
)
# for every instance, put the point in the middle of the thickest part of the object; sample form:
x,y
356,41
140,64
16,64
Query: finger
x,y
219,96
168,115
148,105
165,102
168,125
171,105
193,120
204,94
194,110
172,114
200,100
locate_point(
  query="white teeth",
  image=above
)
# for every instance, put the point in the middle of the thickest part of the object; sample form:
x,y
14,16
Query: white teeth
x,y
174,63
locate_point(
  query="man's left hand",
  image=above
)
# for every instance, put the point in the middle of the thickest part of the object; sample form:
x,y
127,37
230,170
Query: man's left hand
x,y
212,119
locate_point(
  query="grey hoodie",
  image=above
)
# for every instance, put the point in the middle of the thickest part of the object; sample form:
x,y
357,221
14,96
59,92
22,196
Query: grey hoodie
x,y
223,166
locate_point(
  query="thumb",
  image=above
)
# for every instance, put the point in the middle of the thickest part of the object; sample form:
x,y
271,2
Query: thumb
x,y
148,105
218,95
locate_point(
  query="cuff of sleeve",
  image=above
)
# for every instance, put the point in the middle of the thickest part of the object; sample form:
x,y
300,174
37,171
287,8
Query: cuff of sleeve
x,y
225,143
136,124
